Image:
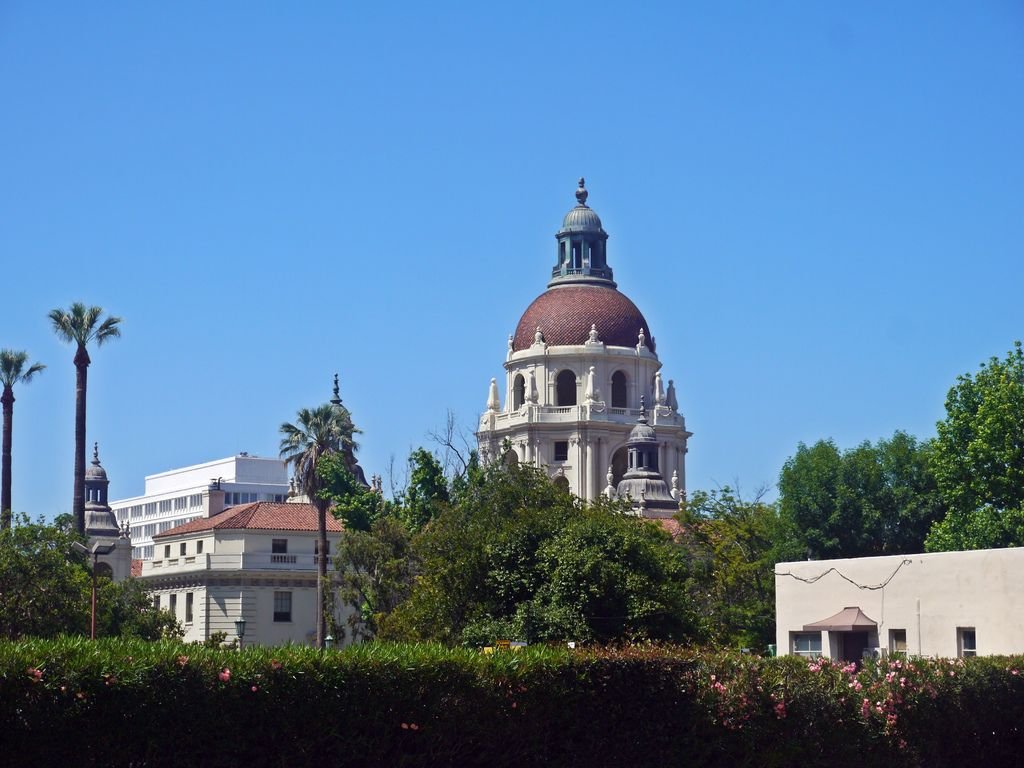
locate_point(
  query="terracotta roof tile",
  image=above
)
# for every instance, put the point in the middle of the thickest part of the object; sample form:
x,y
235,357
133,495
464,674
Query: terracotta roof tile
x,y
136,567
259,515
565,314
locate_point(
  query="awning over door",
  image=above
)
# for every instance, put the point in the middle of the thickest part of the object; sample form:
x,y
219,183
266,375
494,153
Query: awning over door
x,y
847,620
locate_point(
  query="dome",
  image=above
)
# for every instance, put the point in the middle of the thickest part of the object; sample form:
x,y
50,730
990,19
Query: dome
x,y
566,312
643,433
581,219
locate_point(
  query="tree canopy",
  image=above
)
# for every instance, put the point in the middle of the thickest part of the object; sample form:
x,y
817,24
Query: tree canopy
x,y
516,557
874,499
978,460
45,590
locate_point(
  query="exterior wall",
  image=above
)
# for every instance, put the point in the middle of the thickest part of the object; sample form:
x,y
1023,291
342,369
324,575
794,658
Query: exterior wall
x,y
594,430
930,596
237,575
175,497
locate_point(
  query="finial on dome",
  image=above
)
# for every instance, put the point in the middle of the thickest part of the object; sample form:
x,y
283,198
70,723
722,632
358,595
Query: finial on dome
x,y
581,193
336,400
538,336
643,411
641,342
96,454
593,333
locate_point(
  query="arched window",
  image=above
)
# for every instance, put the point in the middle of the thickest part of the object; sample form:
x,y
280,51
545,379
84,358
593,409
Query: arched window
x,y
618,390
518,392
619,465
562,483
565,388
510,458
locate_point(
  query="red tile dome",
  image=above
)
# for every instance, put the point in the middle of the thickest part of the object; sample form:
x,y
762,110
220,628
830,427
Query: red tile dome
x,y
566,312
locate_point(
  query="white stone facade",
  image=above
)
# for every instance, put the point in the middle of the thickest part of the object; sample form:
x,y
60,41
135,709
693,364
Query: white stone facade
x,y
593,431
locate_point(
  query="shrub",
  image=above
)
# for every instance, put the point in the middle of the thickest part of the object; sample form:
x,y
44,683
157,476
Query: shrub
x,y
134,703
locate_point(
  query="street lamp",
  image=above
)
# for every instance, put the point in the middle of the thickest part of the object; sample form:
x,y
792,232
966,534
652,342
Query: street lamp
x,y
99,548
240,630
329,642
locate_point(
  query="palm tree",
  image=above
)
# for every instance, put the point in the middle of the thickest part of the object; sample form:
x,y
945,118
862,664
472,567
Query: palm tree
x,y
80,325
318,432
12,371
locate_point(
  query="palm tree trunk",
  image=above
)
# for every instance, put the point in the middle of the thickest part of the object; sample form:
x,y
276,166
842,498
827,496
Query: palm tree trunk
x,y
81,385
321,568
321,571
5,473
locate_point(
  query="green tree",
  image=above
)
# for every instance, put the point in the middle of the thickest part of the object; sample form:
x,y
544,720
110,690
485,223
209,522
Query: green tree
x,y
875,499
80,325
376,569
318,432
515,556
45,590
735,545
978,458
351,502
427,493
13,370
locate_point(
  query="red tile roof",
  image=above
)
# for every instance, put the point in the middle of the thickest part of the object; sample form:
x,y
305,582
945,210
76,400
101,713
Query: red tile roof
x,y
565,314
136,567
260,515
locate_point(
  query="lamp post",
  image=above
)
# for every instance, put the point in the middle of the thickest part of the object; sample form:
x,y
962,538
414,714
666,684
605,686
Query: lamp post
x,y
240,631
329,642
99,548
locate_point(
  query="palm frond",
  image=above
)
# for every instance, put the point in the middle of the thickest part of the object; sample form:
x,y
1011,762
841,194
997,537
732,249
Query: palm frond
x,y
12,367
78,324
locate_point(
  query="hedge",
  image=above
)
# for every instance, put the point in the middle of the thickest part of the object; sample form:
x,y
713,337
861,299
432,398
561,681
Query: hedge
x,y
133,703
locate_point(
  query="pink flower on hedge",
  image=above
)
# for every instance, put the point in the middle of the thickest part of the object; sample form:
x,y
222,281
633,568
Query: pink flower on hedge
x,y
35,674
1014,672
255,688
865,708
275,665
182,661
225,675
780,710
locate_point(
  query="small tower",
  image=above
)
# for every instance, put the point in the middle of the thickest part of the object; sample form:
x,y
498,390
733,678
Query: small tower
x,y
101,524
582,247
643,483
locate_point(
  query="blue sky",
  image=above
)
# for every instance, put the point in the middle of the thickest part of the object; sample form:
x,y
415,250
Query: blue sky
x,y
818,207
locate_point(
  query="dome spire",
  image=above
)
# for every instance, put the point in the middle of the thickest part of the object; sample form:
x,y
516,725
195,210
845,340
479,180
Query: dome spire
x,y
581,193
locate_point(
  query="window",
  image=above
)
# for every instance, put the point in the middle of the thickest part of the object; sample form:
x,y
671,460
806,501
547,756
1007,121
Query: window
x,y
165,505
188,607
518,392
898,641
562,450
156,602
181,549
807,644
173,608
279,546
618,390
966,642
282,606
199,547
167,550
565,388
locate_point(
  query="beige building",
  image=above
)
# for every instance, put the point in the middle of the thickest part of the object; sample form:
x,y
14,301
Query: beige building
x,y
255,561
945,604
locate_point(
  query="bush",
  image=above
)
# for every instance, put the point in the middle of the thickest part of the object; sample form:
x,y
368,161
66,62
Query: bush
x,y
133,703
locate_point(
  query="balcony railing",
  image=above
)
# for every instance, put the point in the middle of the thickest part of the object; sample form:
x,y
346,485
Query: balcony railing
x,y
554,414
244,561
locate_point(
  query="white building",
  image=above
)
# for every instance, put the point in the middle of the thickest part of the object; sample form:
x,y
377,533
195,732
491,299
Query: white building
x,y
938,604
577,366
175,497
256,561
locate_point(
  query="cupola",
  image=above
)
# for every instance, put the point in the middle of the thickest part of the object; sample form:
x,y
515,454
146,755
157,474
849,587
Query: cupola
x,y
582,253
